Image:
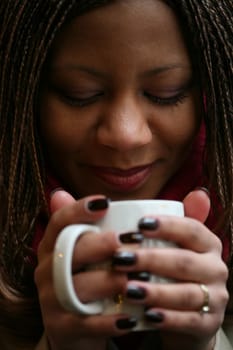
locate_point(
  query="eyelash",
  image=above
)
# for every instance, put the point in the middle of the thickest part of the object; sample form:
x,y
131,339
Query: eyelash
x,y
161,101
167,101
80,102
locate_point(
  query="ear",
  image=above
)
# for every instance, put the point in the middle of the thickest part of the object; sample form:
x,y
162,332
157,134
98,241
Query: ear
x,y
197,205
59,199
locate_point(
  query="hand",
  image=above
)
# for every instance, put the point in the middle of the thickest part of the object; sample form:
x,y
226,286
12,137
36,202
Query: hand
x,y
175,307
66,330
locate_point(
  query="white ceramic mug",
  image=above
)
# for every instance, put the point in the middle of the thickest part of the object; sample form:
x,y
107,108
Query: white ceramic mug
x,y
121,217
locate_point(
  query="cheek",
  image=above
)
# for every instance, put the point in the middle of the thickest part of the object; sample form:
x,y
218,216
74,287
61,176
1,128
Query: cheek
x,y
180,124
60,128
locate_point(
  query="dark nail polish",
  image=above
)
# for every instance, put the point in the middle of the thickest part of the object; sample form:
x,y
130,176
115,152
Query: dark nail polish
x,y
126,323
154,316
139,276
124,259
56,190
204,189
148,224
135,292
131,237
98,204
147,307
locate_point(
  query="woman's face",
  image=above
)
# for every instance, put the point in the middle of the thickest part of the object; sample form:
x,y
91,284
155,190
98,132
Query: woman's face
x,y
120,107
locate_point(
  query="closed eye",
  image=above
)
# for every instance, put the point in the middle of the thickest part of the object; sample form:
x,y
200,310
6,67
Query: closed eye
x,y
76,98
167,101
77,101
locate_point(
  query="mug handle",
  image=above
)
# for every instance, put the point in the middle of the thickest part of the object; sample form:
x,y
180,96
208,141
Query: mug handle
x,y
62,271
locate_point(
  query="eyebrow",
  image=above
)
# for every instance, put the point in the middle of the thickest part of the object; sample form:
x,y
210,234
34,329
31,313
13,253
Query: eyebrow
x,y
94,72
74,67
165,68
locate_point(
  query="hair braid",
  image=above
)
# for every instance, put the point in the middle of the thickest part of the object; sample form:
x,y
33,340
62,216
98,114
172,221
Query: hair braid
x,y
27,31
24,44
211,27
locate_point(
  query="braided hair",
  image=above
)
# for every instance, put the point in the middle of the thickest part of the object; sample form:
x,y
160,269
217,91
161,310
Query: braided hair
x,y
208,31
27,31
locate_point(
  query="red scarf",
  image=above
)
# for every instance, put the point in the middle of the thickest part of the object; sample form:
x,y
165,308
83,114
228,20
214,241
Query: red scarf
x,y
189,177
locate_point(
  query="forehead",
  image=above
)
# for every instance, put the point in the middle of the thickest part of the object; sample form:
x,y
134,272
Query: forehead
x,y
131,24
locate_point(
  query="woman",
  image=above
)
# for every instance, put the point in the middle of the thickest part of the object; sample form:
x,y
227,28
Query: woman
x,y
119,100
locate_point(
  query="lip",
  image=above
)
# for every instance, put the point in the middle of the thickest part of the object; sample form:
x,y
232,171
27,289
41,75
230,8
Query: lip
x,y
123,180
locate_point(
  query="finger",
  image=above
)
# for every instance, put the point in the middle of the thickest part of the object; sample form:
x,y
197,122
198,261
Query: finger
x,y
177,264
88,210
189,322
176,296
95,285
185,232
94,247
197,205
98,326
59,199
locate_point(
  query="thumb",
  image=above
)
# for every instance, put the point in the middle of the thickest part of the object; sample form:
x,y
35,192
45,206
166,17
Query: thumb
x,y
59,199
197,205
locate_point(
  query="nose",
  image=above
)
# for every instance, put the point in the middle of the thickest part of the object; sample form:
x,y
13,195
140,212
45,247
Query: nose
x,y
124,125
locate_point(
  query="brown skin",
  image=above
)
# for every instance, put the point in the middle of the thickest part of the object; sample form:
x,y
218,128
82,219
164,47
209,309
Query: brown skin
x,y
121,127
121,62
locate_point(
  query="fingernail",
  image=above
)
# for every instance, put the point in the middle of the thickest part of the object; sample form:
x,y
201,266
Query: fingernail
x,y
154,316
98,204
131,237
126,323
148,224
139,276
204,189
135,292
124,259
56,190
